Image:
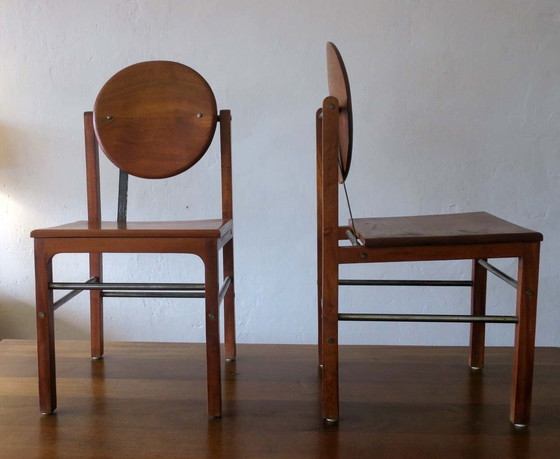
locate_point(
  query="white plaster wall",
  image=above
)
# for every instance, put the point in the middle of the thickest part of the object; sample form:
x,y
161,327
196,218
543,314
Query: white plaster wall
x,y
457,108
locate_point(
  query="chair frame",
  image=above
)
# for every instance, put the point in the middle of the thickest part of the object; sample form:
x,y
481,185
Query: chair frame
x,y
331,254
204,246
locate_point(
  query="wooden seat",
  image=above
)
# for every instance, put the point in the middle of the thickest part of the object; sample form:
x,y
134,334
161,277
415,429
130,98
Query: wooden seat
x,y
465,228
189,229
153,120
476,236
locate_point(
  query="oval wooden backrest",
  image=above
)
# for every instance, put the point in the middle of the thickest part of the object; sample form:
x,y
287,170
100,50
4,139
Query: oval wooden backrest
x,y
155,119
339,87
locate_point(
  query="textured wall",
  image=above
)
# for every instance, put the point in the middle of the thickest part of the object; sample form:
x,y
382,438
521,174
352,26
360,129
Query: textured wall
x,y
457,108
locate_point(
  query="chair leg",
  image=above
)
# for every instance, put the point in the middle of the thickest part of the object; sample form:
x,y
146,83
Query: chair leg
x,y
478,308
525,336
45,330
329,382
213,334
319,301
229,303
96,307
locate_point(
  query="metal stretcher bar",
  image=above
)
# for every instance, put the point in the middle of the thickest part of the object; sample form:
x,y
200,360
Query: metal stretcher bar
x,y
427,318
433,283
57,304
122,286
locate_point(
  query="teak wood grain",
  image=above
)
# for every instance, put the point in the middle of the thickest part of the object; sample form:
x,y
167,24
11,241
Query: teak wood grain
x,y
446,229
189,229
339,87
468,236
155,119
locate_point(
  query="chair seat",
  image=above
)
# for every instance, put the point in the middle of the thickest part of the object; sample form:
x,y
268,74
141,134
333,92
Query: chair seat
x,y
449,229
187,229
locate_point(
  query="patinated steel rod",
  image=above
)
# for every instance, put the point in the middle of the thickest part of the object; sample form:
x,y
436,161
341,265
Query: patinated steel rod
x,y
224,289
123,286
427,318
498,273
433,283
351,237
153,294
57,304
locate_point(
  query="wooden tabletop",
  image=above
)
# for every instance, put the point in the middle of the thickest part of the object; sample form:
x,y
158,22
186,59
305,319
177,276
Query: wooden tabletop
x,y
146,400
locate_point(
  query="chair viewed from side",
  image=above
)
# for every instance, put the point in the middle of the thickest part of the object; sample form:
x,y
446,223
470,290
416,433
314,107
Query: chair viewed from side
x,y
476,236
153,120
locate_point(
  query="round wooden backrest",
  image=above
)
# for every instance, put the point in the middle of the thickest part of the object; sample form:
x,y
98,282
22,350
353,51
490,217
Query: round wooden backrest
x,y
155,119
339,87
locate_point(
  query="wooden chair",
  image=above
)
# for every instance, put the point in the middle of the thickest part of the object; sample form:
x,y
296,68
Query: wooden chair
x,y
475,236
152,120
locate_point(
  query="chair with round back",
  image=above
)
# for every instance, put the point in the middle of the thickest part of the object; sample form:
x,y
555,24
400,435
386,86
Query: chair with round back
x,y
153,120
474,236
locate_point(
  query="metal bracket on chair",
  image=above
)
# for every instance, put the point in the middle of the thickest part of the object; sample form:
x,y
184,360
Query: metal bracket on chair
x,y
73,293
224,289
498,273
123,196
352,237
427,318
414,283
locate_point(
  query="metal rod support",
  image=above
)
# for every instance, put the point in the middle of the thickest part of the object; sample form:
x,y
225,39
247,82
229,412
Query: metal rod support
x,y
433,283
427,318
498,273
57,304
123,286
123,196
224,289
153,294
352,237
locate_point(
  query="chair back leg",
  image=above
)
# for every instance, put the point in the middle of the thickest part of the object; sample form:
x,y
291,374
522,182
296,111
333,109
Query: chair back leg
x,y
525,335
229,303
478,308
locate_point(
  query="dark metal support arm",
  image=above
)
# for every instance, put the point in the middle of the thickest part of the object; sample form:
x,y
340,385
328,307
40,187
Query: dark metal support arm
x,y
427,318
433,283
352,237
224,289
57,304
122,286
498,273
152,294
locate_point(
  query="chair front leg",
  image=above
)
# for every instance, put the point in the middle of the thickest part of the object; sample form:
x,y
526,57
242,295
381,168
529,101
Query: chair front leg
x,y
212,286
96,307
478,308
522,386
320,300
229,303
329,382
45,329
